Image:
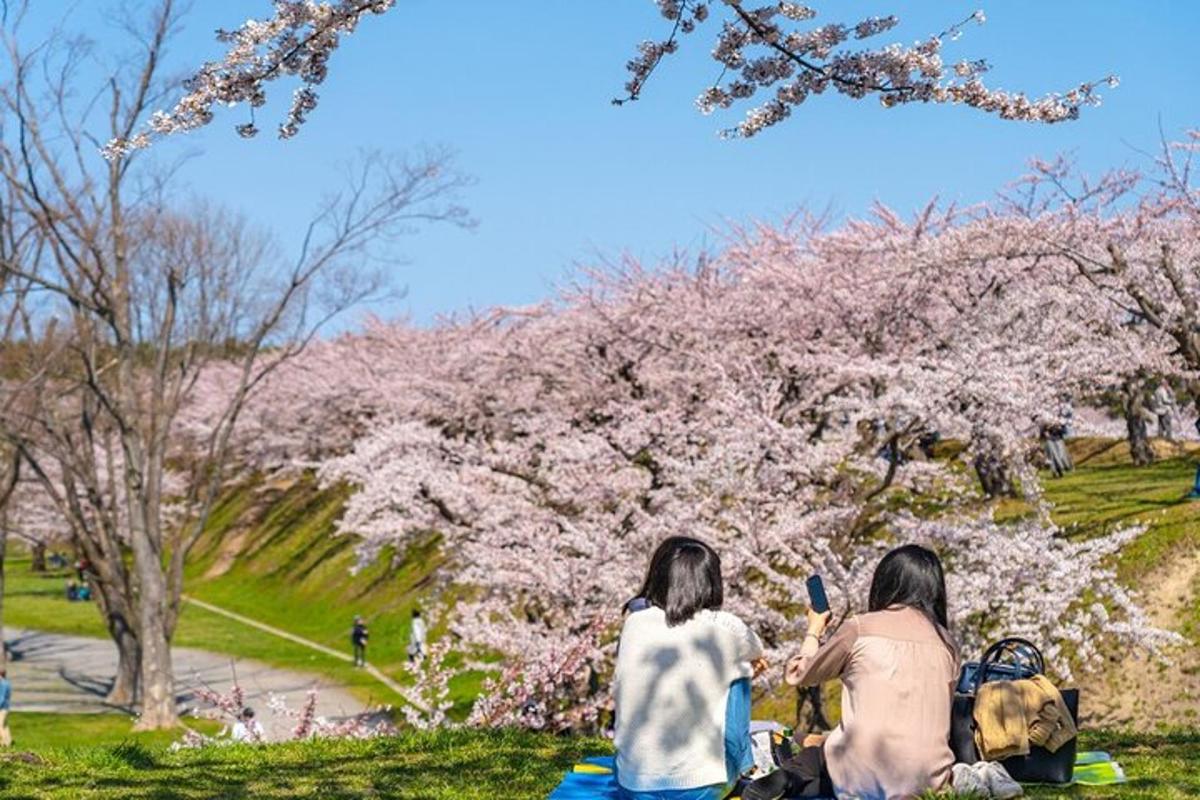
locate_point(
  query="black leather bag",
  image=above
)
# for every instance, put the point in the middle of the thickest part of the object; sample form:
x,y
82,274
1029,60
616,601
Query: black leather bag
x,y
1024,660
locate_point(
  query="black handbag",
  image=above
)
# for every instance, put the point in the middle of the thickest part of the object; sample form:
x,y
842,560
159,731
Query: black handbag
x,y
1024,660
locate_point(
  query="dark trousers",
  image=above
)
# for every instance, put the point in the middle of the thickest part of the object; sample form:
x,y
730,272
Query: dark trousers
x,y
807,774
801,774
360,653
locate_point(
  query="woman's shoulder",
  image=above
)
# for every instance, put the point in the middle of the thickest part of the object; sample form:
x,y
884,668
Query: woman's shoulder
x,y
903,623
726,620
655,619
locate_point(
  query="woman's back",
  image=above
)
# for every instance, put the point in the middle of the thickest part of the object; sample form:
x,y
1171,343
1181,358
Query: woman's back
x,y
898,671
670,690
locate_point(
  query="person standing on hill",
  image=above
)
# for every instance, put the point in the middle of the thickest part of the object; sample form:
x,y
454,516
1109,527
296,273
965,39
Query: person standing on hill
x,y
358,640
1163,407
1194,494
5,700
416,637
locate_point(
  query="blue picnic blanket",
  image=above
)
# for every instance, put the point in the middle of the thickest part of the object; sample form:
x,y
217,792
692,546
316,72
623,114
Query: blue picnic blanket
x,y
593,779
590,780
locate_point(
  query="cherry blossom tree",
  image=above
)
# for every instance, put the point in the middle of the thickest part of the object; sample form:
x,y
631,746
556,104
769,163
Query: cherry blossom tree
x,y
1128,242
771,399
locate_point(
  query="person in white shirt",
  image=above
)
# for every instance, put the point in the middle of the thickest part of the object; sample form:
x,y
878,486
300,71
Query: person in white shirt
x,y
416,637
246,729
1162,404
682,666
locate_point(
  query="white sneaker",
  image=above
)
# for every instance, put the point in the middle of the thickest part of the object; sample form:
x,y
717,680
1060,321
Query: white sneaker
x,y
965,779
1000,784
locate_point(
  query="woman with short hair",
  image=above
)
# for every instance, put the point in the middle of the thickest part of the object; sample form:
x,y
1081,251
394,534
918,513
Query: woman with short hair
x,y
682,665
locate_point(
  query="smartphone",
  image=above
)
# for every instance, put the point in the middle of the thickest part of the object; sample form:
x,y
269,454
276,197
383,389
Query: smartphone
x,y
816,594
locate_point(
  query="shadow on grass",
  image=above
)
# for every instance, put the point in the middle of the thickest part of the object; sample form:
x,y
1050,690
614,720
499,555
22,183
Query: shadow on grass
x,y
437,766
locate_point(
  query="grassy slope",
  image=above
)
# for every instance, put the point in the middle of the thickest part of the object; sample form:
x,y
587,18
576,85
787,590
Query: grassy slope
x,y
36,732
452,765
288,553
290,572
1107,492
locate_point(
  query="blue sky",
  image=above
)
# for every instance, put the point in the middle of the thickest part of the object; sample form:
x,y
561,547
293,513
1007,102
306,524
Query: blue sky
x,y
521,90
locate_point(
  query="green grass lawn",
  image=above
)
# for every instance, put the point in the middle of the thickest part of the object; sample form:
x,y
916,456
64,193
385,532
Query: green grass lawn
x,y
38,601
455,765
38,733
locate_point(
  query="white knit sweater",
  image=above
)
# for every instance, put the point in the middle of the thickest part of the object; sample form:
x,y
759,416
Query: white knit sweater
x,y
671,687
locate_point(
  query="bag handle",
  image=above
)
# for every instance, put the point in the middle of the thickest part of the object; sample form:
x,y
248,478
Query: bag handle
x,y
993,654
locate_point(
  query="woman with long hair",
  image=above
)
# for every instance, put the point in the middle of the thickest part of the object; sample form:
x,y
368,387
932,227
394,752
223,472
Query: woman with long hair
x,y
898,665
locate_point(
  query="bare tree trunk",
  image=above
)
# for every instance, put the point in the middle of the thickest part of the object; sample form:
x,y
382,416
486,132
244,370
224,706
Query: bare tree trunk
x,y
39,557
124,691
157,677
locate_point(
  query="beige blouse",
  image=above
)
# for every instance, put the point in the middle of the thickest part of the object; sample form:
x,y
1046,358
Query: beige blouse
x,y
898,671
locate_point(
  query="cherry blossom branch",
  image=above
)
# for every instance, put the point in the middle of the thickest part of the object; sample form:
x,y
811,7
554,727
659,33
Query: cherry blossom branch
x,y
897,74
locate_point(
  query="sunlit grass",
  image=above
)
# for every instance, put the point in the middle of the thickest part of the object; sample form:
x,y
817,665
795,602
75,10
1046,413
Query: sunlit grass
x,y
453,765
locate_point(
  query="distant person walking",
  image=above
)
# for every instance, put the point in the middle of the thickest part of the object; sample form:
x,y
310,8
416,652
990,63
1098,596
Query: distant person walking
x,y
1053,436
5,700
358,640
416,637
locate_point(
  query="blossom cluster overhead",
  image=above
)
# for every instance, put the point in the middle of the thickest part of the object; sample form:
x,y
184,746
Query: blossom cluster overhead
x,y
296,42
776,54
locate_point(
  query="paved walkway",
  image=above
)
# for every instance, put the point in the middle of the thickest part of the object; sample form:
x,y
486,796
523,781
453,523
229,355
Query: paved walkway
x,y
71,674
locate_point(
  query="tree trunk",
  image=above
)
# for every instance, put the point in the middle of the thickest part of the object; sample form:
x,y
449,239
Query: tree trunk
x,y
157,677
1136,416
124,690
993,476
39,557
158,685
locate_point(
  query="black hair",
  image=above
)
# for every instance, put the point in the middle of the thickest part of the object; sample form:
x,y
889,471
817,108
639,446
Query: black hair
x,y
911,576
416,612
684,577
247,713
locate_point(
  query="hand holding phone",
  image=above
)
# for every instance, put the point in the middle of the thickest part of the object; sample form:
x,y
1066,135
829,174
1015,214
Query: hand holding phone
x,y
818,612
816,594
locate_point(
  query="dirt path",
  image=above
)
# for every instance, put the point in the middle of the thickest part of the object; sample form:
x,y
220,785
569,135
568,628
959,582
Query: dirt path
x,y
1142,693
71,674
